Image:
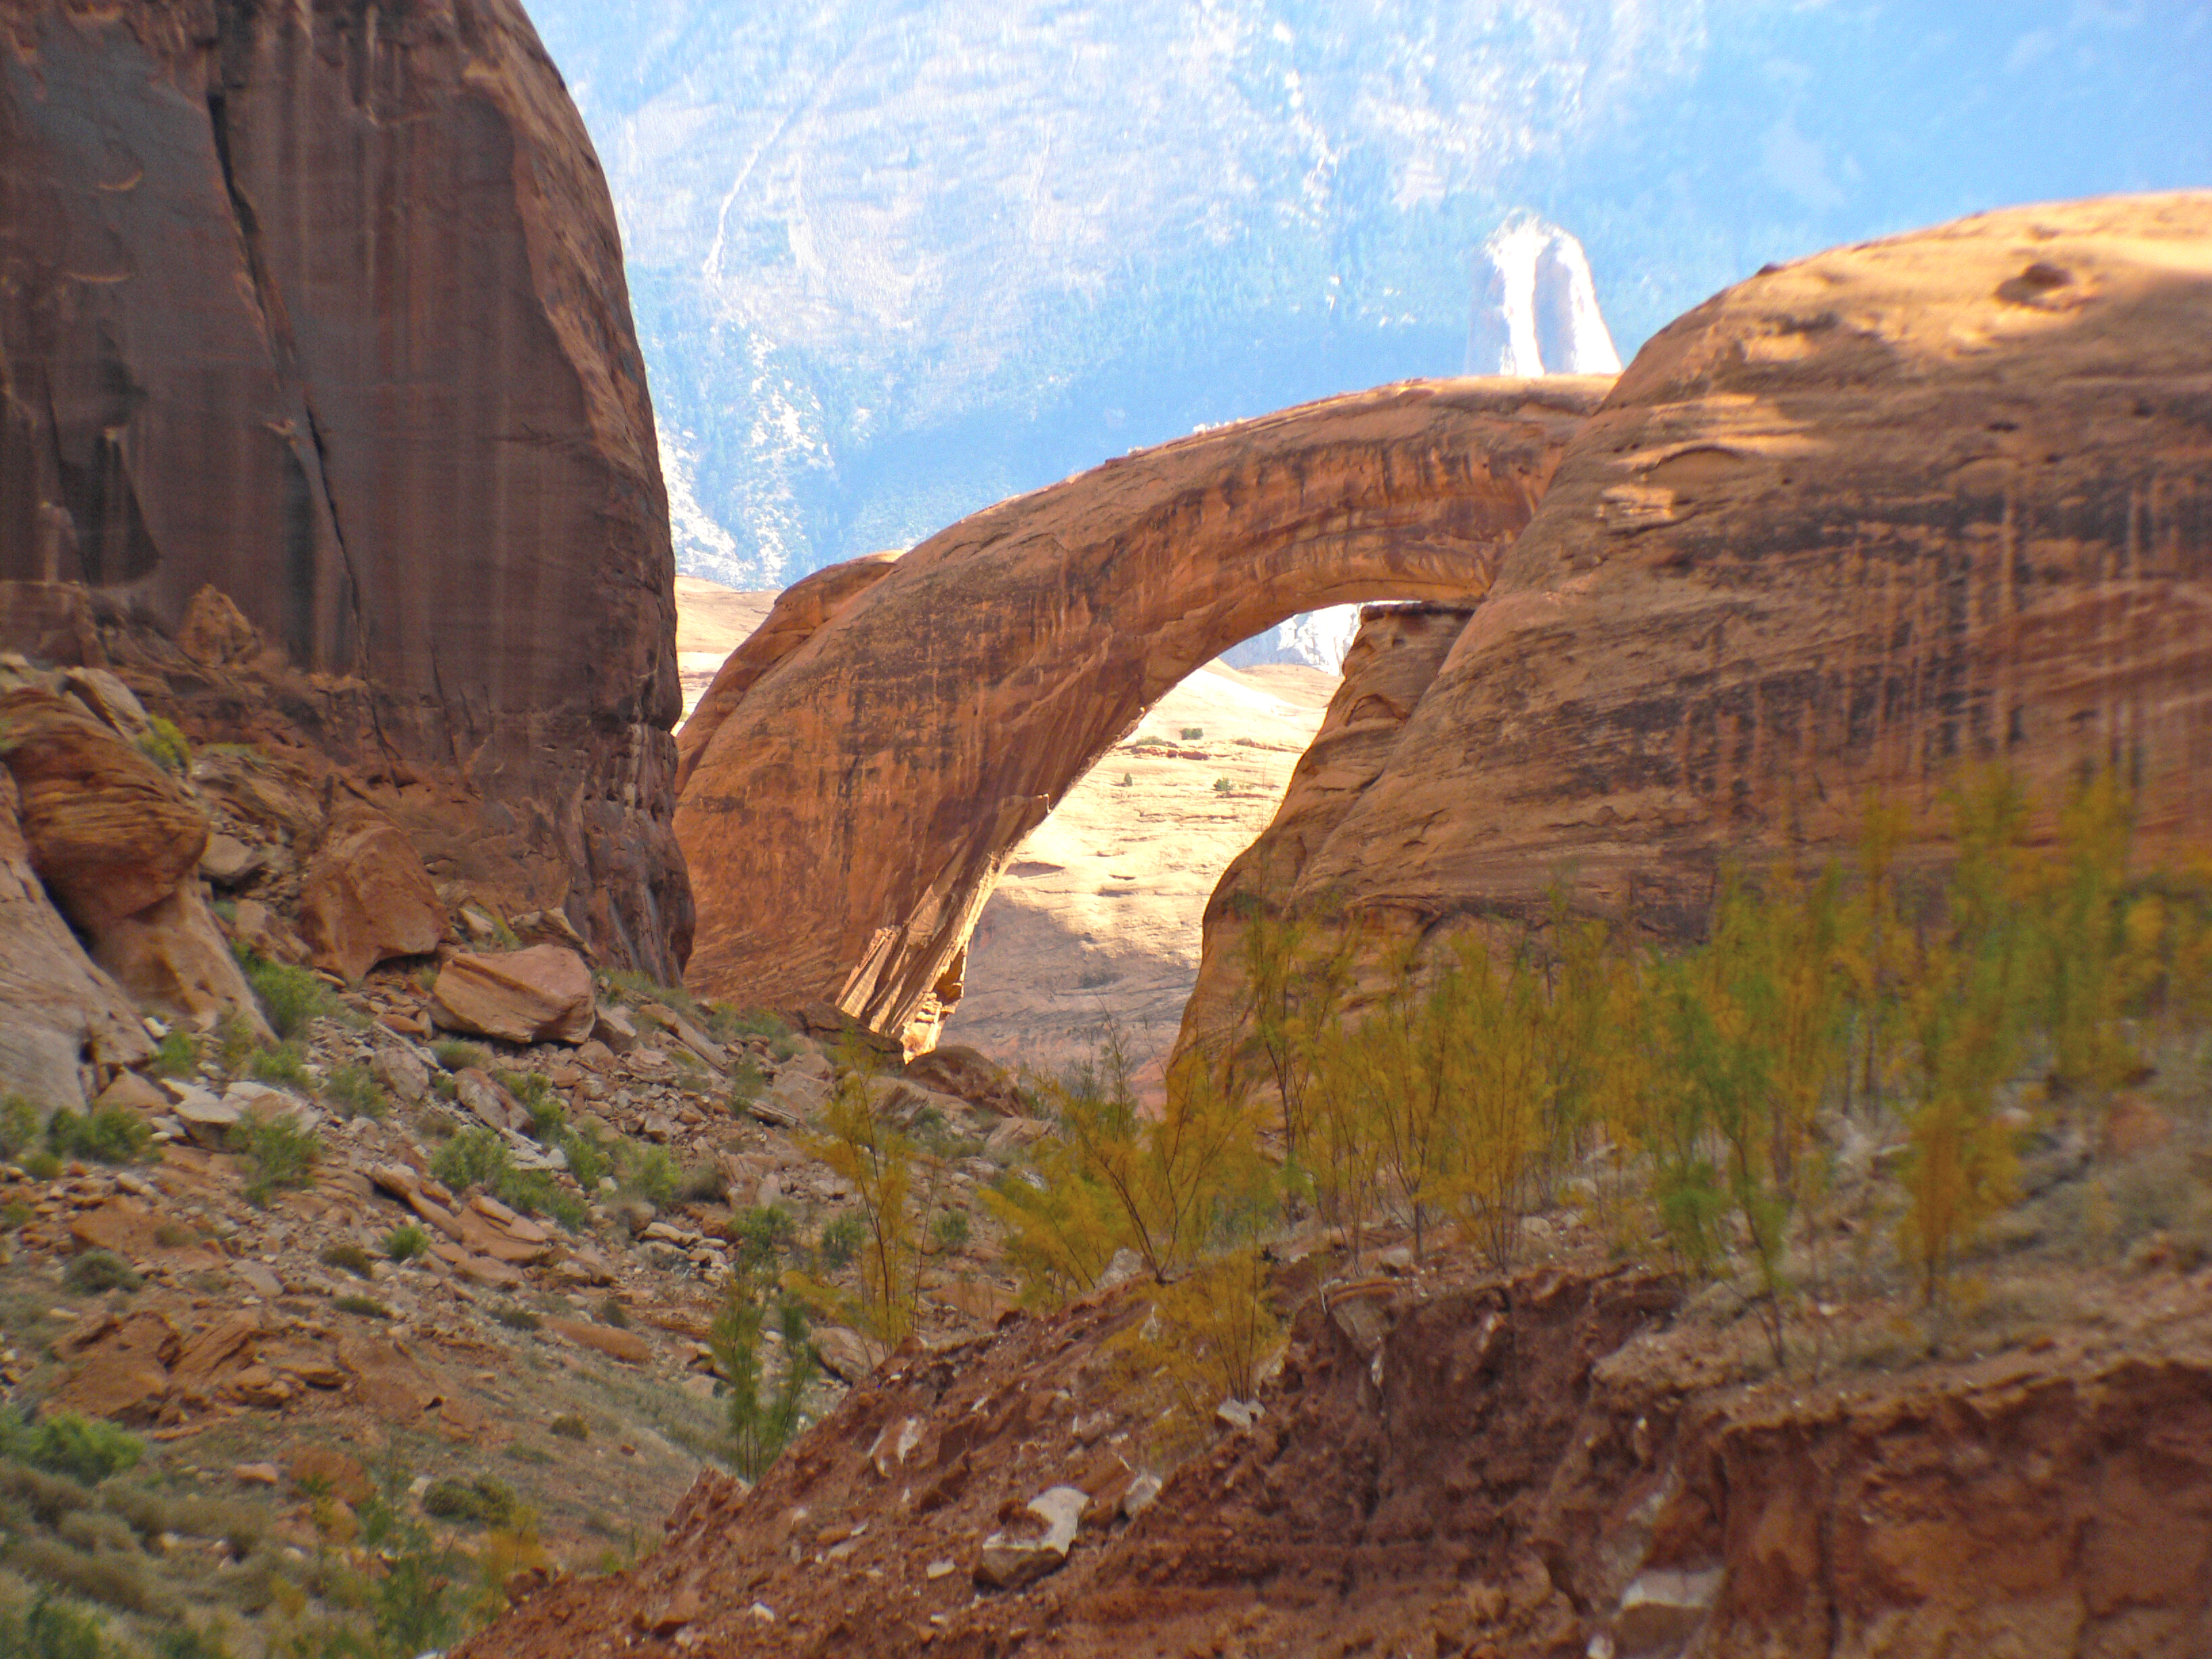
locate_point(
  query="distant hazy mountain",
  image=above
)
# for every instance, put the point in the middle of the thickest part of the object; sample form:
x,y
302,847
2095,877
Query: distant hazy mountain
x,y
894,260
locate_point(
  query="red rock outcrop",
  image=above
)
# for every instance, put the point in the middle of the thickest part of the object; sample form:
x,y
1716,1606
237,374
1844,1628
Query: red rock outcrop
x,y
845,820
1846,528
117,843
541,995
365,897
1554,1465
323,307
1391,660
57,1011
800,612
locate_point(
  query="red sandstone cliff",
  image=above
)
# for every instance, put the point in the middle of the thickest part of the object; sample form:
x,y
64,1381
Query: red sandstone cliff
x,y
322,305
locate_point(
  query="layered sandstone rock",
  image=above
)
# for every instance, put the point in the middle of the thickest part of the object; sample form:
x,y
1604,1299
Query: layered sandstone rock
x,y
117,842
325,309
365,897
1845,529
108,829
57,1011
846,818
1393,658
800,612
541,995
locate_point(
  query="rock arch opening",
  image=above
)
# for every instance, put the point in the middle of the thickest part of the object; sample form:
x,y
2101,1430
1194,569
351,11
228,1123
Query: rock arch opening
x,y
852,788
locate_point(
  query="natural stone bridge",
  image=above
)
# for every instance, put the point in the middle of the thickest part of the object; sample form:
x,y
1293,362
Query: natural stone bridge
x,y
863,768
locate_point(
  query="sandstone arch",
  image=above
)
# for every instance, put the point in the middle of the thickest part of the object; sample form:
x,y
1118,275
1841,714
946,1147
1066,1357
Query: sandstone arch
x,y
846,815
1857,522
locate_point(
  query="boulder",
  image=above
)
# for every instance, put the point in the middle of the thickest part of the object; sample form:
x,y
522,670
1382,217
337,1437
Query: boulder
x,y
234,398
206,1119
999,659
400,1070
541,995
171,957
229,862
1010,1561
109,831
125,1375
491,1103
365,896
846,1354
57,1009
954,1068
628,1346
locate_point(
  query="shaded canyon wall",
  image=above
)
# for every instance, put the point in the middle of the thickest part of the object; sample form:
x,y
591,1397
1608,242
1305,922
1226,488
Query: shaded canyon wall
x,y
322,305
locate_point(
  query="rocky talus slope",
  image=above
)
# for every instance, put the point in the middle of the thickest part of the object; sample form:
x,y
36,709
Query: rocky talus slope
x,y
325,309
845,819
1575,1461
1849,528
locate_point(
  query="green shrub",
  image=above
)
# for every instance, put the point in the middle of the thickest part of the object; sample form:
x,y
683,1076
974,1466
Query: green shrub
x,y
474,1158
651,1175
703,1183
534,1192
762,1233
517,1319
183,1641
366,1306
50,1629
87,1449
162,744
19,1126
747,1080
950,1230
280,1151
292,999
1193,733
96,1272
177,1055
109,1134
234,1040
611,1312
841,1238
406,1242
1127,779
457,1056
587,1163
285,1065
351,1257
356,1093
569,1426
478,1503
15,1213
40,1165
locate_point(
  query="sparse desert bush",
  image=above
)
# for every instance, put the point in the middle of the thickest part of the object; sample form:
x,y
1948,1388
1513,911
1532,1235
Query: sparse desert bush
x,y
1193,733
348,1256
516,1318
354,1090
366,1306
702,1183
569,1426
457,1056
96,1272
280,1149
107,1134
483,1502
88,1450
474,1158
176,1054
19,1126
292,999
611,1312
405,1241
285,1066
841,1239
166,746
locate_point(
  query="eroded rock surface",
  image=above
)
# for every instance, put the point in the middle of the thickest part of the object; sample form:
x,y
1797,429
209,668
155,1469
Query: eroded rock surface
x,y
846,818
325,309
1392,661
1846,529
